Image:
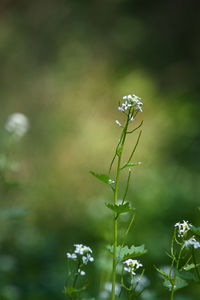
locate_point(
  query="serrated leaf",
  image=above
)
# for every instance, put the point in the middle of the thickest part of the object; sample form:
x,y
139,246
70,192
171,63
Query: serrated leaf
x,y
179,283
125,252
120,208
195,230
163,273
104,178
186,275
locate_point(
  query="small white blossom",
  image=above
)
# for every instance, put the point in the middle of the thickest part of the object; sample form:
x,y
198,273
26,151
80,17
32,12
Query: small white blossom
x,y
81,272
87,258
183,228
131,101
81,249
130,117
111,181
72,256
17,124
118,123
132,265
120,108
192,242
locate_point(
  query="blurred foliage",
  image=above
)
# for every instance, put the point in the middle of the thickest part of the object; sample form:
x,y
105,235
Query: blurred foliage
x,y
66,64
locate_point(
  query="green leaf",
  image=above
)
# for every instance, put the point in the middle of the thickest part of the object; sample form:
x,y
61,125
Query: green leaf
x,y
104,178
125,252
190,267
195,230
70,290
131,165
163,273
120,208
186,275
179,283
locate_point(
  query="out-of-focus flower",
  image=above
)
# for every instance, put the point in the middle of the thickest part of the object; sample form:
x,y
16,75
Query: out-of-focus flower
x,y
132,265
140,283
107,289
118,123
192,242
131,101
17,124
183,228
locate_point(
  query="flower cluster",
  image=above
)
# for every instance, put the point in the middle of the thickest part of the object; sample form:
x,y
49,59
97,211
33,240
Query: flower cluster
x,y
17,124
81,253
132,265
132,103
192,242
183,228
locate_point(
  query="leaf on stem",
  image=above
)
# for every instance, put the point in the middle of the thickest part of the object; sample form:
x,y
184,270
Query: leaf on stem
x,y
163,273
125,252
179,283
190,267
70,290
120,208
104,178
131,165
186,275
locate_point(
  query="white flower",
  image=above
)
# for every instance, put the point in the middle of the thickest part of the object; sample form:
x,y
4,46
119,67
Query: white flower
x,y
131,101
132,265
81,272
81,249
192,242
130,117
183,228
71,256
17,124
118,123
87,258
111,181
120,108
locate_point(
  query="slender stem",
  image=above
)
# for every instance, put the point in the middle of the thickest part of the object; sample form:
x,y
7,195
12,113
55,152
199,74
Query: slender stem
x,y
177,266
127,231
76,277
115,230
119,154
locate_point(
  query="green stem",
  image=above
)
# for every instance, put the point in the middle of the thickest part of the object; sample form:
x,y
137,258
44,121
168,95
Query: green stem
x,y
115,230
121,145
177,266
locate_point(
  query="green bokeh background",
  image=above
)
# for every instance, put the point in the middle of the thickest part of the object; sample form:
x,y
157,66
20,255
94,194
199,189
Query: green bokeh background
x,y
66,64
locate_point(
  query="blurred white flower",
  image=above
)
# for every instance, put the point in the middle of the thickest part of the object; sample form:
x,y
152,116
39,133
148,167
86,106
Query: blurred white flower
x,y
192,242
131,101
81,272
140,283
118,123
183,228
108,287
72,256
131,265
17,124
